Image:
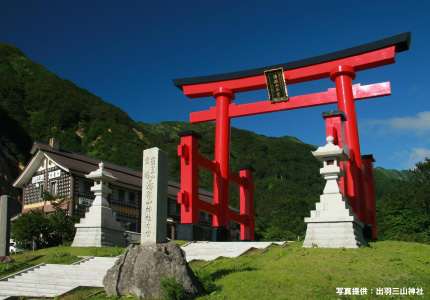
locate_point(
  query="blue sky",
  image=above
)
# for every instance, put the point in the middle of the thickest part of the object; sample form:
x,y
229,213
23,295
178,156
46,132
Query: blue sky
x,y
128,52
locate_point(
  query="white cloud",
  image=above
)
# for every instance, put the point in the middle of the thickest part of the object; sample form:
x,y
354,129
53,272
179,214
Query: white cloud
x,y
403,141
417,155
418,124
411,158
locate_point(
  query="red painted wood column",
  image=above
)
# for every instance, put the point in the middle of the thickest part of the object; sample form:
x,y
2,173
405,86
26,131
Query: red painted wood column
x,y
223,97
247,204
342,76
369,188
188,196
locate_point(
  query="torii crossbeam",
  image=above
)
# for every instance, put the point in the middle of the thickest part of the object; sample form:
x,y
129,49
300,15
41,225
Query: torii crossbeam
x,y
340,67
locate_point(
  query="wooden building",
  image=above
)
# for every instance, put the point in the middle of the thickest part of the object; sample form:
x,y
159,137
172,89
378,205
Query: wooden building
x,y
62,172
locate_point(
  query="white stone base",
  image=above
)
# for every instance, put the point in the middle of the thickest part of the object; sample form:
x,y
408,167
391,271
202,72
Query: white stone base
x,y
333,225
334,235
99,228
98,237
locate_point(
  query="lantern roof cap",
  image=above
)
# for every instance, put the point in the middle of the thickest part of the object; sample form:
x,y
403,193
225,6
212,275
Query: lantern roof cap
x,y
330,151
101,173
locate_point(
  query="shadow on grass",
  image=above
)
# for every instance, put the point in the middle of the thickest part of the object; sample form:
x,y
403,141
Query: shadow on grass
x,y
223,272
35,258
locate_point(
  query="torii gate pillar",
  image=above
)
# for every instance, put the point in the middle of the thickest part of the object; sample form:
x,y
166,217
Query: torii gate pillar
x,y
223,97
342,76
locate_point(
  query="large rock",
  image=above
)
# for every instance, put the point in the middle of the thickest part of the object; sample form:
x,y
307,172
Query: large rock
x,y
140,269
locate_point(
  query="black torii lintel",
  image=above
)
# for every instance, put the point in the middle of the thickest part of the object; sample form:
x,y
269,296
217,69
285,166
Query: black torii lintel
x,y
401,41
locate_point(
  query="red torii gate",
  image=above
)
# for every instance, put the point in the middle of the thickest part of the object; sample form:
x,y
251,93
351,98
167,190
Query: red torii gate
x,y
339,66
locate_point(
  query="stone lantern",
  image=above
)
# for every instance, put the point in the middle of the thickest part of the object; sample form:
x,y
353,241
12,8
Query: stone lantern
x,y
333,224
330,155
99,228
101,189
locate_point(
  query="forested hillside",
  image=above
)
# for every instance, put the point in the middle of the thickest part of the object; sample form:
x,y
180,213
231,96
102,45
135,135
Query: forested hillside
x,y
36,104
404,211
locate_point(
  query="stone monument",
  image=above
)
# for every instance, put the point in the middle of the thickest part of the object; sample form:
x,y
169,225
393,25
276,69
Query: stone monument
x,y
140,269
333,224
4,225
99,228
154,196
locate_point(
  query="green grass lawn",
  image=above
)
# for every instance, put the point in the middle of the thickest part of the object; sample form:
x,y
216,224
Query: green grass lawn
x,y
294,272
315,273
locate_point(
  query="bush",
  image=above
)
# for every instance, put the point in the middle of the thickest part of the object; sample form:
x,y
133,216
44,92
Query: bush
x,y
173,290
206,281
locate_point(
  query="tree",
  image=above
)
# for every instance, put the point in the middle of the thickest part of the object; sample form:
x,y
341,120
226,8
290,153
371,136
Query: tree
x,y
404,214
62,225
421,181
35,229
30,230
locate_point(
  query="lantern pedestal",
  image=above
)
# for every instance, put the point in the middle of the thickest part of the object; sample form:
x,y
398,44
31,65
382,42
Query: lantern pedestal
x,y
99,228
333,224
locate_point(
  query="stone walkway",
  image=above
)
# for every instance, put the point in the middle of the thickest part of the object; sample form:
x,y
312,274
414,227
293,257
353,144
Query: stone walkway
x,y
50,280
213,250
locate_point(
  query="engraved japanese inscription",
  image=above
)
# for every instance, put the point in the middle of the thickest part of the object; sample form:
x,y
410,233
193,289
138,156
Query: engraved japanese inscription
x,y
276,86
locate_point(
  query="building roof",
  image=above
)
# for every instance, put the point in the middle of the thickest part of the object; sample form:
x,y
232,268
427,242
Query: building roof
x,y
81,164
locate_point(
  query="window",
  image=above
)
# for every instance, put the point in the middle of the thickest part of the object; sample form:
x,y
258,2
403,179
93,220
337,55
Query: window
x,y
121,195
132,197
53,187
40,191
85,186
173,206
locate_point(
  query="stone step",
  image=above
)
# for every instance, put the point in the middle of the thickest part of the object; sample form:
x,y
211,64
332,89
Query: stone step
x,y
213,250
86,269
64,270
92,267
32,291
99,259
50,280
43,277
91,263
32,284
64,280
333,213
330,205
102,264
77,267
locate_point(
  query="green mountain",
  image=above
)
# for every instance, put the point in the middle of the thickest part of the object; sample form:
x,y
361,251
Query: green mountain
x,y
387,180
36,104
